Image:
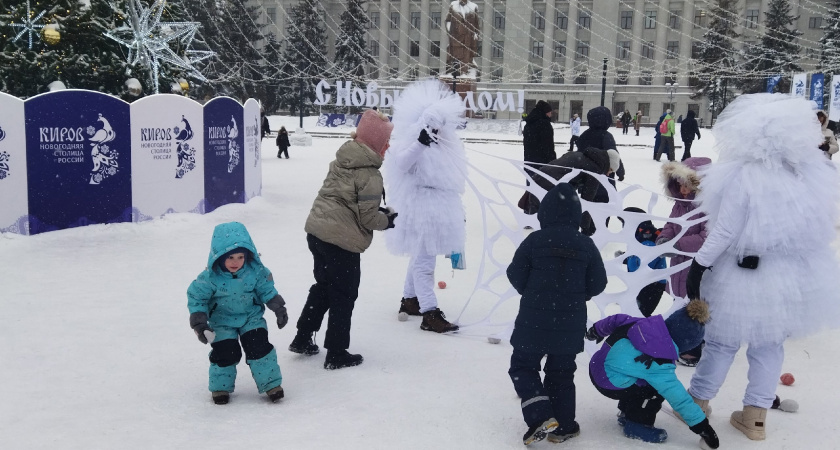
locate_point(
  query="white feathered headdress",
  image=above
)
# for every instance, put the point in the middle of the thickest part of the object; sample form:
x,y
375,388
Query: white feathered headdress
x,y
426,104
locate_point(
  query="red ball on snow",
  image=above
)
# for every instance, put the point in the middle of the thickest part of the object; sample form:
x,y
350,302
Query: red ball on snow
x,y
442,284
787,379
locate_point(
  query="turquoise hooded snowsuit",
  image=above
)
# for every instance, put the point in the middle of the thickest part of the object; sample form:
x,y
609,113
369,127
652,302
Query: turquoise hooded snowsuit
x,y
234,304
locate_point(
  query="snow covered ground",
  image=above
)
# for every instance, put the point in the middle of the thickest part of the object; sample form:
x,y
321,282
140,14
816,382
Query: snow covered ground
x,y
97,353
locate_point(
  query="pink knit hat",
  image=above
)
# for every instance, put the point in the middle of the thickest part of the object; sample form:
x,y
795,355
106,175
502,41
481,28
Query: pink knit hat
x,y
374,130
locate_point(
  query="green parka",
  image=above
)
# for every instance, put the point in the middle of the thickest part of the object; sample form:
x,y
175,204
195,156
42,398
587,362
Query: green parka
x,y
346,211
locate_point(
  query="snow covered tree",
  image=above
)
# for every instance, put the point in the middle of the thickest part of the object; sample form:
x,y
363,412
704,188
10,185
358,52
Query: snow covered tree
x,y
305,56
830,43
776,53
352,54
717,57
80,56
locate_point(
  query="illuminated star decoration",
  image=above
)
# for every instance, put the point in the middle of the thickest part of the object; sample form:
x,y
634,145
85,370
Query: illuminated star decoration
x,y
148,39
28,25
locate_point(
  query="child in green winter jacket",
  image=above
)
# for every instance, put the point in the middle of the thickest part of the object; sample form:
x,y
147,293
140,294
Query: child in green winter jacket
x,y
226,304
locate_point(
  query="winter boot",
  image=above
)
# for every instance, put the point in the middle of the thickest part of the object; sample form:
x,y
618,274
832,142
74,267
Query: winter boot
x,y
558,436
304,343
275,394
221,397
538,432
408,307
622,419
337,359
434,320
750,421
647,433
703,404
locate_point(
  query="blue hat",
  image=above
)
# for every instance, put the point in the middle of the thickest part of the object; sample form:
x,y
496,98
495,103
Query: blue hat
x,y
687,325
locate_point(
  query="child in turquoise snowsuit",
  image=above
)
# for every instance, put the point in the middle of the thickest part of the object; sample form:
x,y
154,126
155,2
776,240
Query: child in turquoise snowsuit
x,y
229,299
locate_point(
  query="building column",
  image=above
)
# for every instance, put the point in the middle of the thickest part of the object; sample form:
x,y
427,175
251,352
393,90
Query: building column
x,y
425,18
571,43
548,40
384,50
661,43
404,28
486,40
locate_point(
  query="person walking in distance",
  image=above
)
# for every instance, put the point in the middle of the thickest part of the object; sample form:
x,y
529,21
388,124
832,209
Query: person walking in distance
x,y
666,131
574,124
688,128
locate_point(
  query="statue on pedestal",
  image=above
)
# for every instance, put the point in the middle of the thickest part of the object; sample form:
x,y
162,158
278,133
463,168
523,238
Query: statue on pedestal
x,y
463,24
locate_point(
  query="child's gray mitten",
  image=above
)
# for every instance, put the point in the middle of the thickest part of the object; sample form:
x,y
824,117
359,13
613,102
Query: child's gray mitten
x,y
198,322
278,305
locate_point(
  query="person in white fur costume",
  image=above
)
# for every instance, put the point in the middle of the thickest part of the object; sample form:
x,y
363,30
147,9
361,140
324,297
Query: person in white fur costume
x,y
771,199
425,176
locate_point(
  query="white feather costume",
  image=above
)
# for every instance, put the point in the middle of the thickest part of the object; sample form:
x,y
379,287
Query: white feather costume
x,y
424,184
771,194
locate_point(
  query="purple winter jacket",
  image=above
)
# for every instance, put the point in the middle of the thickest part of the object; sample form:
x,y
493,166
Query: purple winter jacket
x,y
674,173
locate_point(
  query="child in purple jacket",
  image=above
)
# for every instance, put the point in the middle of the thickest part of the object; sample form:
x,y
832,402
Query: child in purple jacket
x,y
681,182
636,367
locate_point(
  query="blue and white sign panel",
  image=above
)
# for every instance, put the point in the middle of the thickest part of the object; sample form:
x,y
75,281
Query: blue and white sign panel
x,y
253,149
167,158
797,85
78,152
14,207
817,89
224,172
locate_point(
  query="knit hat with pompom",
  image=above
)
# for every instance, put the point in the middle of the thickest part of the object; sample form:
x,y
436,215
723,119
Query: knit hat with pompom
x,y
687,325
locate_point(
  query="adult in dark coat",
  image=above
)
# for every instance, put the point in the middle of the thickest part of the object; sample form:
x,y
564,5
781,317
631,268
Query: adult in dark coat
x,y
592,160
538,141
557,270
688,128
657,138
598,136
283,142
264,130
626,119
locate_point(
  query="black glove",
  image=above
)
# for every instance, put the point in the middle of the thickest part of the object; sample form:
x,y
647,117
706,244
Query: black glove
x,y
198,322
705,430
278,305
692,281
592,335
824,146
391,220
424,138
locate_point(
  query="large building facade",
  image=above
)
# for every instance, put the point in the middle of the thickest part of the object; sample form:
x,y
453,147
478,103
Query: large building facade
x,y
556,50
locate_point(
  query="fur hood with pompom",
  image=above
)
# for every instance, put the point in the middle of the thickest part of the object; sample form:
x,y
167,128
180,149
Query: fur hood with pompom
x,y
675,173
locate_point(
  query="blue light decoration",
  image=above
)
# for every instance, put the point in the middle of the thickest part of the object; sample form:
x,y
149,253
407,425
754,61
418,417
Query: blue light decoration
x,y
28,25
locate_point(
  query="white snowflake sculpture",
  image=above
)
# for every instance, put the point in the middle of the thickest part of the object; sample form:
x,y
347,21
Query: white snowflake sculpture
x,y
148,40
28,25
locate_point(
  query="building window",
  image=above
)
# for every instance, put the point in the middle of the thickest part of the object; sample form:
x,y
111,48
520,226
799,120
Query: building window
x,y
537,49
536,75
393,72
496,74
415,19
434,48
413,73
582,50
673,50
576,107
584,20
696,50
434,20
498,49
271,14
538,20
650,19
674,20
699,18
478,49
373,73
374,48
647,49
394,49
626,20
646,79
618,107
499,20
557,76
580,78
751,19
644,108
395,20
434,72
561,20
815,22
414,49
671,77
693,80
622,77
374,20
694,107
623,50
559,51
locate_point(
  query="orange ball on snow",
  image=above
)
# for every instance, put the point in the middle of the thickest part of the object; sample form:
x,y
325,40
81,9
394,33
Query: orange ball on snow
x,y
787,379
442,284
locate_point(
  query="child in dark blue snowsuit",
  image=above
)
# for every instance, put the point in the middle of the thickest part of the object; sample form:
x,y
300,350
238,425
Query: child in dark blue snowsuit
x,y
226,304
636,367
648,297
556,269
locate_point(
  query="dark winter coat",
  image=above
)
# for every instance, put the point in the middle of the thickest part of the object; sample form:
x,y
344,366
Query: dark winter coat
x,y
598,136
538,138
264,128
556,270
689,127
591,160
283,140
626,119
